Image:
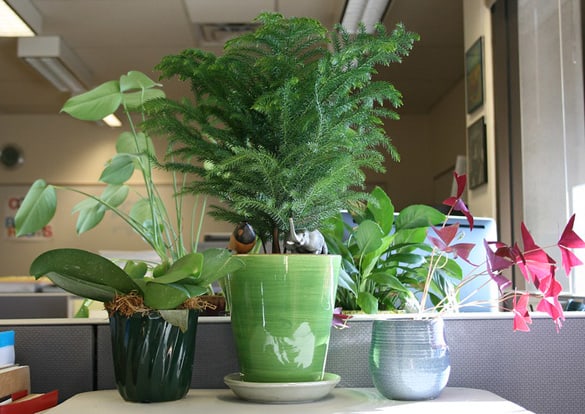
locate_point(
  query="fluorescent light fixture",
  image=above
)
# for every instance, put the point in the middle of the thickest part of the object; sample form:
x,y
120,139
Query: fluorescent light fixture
x,y
11,25
51,57
57,63
112,121
368,12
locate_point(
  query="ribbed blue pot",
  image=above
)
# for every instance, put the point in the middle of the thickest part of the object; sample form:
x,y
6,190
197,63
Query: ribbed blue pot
x,y
153,359
409,359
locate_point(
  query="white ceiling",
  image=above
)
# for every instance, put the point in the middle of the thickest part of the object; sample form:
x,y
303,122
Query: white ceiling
x,y
114,36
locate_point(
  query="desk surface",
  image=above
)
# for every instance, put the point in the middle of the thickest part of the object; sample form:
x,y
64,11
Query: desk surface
x,y
339,401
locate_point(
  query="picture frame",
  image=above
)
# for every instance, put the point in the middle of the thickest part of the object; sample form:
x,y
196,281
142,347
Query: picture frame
x,y
474,76
477,153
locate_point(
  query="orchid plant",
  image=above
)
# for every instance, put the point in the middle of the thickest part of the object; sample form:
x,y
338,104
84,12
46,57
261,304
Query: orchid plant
x,y
408,264
181,274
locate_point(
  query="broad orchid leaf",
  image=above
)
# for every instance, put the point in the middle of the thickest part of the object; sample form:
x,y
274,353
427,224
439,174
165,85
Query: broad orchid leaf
x,y
37,208
95,104
83,273
119,169
161,269
135,270
195,290
188,265
83,288
164,296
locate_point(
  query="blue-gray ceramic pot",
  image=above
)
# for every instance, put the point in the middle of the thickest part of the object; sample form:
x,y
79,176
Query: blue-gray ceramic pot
x,y
409,359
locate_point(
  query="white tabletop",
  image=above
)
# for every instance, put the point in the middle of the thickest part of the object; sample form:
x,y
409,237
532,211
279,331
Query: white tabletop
x,y
339,401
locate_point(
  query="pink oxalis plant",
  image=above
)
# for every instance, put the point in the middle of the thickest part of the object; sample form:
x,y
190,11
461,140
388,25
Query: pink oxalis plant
x,y
537,267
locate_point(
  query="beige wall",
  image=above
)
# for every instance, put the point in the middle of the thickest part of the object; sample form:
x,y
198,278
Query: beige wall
x,y
428,146
476,23
65,151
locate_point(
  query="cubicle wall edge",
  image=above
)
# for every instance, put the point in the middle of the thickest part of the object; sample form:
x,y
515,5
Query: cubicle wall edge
x,y
544,371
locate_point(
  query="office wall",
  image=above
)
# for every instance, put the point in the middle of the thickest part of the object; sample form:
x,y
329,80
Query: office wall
x,y
477,23
67,152
428,145
545,377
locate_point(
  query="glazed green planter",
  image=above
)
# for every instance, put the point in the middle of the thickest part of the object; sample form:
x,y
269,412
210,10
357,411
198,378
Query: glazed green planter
x,y
153,359
281,312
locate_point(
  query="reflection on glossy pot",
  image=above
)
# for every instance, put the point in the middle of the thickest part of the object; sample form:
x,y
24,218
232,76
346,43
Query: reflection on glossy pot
x,y
281,311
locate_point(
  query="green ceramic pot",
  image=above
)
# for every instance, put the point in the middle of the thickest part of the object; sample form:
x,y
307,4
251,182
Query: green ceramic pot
x,y
153,359
281,312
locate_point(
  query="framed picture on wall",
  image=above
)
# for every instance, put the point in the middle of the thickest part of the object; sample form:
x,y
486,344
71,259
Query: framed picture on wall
x,y
476,147
474,76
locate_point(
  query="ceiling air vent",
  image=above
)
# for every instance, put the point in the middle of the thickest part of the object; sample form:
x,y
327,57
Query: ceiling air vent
x,y
219,33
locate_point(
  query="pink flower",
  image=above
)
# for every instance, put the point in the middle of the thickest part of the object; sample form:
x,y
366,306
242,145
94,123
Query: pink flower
x,y
570,240
339,319
521,316
443,243
456,203
550,303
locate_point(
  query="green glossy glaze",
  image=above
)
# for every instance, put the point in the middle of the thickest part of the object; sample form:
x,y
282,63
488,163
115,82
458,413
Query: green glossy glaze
x,y
153,360
281,311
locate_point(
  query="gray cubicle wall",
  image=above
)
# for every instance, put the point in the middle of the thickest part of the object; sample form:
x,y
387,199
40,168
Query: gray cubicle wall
x,y
543,370
61,355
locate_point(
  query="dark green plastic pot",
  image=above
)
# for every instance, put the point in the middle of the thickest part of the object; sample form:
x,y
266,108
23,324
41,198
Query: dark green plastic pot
x,y
153,359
